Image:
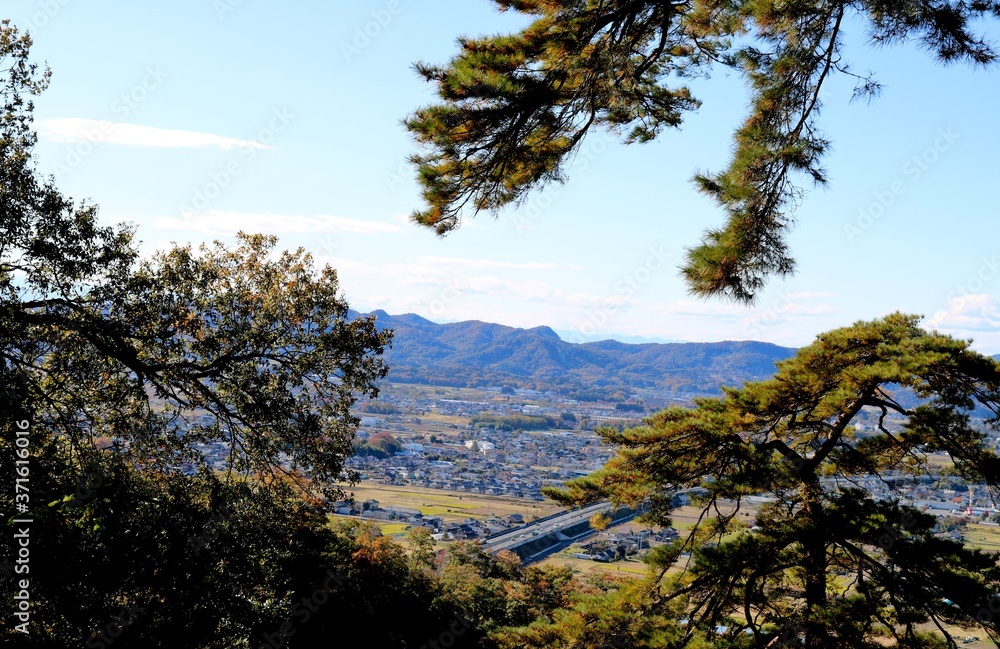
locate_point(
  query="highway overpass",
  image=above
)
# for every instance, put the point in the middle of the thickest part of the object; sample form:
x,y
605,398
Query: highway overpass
x,y
540,538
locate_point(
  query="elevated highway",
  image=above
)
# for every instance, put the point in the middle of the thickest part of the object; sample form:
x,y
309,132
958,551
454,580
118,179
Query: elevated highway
x,y
540,538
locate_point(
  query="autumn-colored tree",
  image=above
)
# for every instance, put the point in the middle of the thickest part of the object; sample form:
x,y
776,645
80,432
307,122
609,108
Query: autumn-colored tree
x,y
422,553
496,591
123,371
237,346
385,441
202,562
607,613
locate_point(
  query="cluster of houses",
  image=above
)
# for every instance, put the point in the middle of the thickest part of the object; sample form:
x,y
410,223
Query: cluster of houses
x,y
553,404
215,454
485,461
468,529
372,509
616,546
475,475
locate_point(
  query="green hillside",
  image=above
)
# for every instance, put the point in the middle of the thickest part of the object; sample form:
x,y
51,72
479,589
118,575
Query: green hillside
x,y
477,354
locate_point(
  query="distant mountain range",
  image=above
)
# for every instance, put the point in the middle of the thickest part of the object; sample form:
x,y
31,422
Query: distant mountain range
x,y
480,354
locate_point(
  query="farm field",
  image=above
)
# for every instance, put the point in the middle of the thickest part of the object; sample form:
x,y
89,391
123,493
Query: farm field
x,y
960,635
397,531
631,567
984,537
449,505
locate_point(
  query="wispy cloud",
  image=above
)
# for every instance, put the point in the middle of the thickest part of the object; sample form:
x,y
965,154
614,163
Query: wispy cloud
x,y
482,264
969,313
971,316
222,223
811,295
683,308
76,129
434,276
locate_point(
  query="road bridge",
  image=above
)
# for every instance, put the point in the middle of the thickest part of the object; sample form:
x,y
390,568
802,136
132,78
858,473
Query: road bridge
x,y
544,536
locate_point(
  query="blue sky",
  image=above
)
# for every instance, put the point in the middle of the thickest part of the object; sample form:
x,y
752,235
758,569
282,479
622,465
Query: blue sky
x,y
197,119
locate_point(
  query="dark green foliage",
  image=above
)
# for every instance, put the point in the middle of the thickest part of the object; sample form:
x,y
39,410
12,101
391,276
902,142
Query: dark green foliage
x,y
515,107
205,563
378,408
791,440
516,422
200,561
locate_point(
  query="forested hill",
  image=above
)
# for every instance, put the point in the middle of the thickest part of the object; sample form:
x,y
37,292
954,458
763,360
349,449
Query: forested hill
x,y
473,353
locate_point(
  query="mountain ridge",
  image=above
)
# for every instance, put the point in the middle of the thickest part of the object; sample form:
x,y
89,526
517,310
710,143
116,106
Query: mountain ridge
x,y
474,353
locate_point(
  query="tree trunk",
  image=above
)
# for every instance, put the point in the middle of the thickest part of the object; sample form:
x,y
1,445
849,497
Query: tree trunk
x,y
815,565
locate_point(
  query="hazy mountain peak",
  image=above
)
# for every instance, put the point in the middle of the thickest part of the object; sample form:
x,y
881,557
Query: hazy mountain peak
x,y
544,331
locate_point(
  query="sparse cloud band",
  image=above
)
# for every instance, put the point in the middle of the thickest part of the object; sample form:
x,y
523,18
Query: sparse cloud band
x,y
222,223
77,129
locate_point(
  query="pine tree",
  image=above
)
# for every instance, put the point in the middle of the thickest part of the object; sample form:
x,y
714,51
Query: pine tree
x,y
825,562
515,107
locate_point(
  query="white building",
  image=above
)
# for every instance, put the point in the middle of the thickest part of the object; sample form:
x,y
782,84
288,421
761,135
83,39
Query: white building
x,y
482,445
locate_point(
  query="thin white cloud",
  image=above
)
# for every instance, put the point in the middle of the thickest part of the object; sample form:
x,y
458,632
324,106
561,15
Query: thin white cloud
x,y
596,300
511,289
975,317
222,223
434,277
76,129
968,313
811,295
482,264
698,309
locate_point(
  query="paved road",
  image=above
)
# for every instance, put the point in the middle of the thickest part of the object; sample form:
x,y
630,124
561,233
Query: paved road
x,y
525,533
